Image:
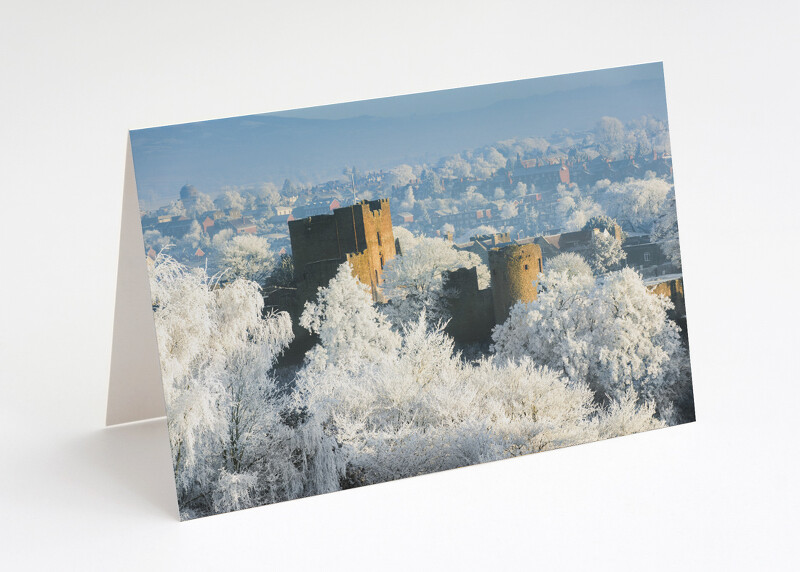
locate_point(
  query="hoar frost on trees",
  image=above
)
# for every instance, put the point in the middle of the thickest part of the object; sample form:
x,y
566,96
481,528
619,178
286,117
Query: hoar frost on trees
x,y
508,210
605,252
231,199
154,239
231,447
570,265
521,189
610,333
247,256
639,201
176,208
665,232
202,204
414,281
416,407
575,208
348,325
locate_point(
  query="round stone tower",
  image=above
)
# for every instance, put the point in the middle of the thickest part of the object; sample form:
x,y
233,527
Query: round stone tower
x,y
515,270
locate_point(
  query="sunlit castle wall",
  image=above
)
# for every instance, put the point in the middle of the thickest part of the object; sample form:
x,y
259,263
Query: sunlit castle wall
x,y
361,234
515,270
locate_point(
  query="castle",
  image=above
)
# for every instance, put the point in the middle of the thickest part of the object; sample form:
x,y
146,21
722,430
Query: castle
x,y
514,269
360,234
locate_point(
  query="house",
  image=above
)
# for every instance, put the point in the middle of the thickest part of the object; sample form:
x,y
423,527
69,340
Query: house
x,y
316,207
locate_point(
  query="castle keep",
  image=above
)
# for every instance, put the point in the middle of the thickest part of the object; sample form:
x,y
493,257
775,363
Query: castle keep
x,y
360,234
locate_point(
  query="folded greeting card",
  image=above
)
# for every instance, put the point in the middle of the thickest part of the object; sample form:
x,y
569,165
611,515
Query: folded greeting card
x,y
333,297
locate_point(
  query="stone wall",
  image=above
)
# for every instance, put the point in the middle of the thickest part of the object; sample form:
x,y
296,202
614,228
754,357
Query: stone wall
x,y
672,289
471,309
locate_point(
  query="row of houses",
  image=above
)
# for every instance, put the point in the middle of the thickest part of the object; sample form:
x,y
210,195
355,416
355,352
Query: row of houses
x,y
641,252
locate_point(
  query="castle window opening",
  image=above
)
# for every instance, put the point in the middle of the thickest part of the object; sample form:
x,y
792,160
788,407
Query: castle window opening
x,y
526,267
647,257
379,244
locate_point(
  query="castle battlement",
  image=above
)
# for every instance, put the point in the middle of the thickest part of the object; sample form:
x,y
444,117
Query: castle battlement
x,y
360,234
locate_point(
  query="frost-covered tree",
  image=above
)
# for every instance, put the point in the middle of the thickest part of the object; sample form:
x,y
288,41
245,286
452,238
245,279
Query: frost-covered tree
x,y
575,208
154,239
413,282
422,409
194,238
399,176
404,237
480,230
605,252
348,325
639,201
267,194
407,204
175,208
454,167
201,204
610,333
247,256
430,184
472,199
282,275
509,210
665,233
231,199
231,447
610,134
569,265
604,222
521,189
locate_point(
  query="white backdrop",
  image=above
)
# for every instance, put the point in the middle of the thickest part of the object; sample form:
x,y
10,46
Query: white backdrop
x,y
74,77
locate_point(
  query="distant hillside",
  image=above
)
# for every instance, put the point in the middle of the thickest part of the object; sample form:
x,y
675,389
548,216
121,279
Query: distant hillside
x,y
270,147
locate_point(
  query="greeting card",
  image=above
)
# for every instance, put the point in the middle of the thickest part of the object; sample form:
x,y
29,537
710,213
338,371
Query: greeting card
x,y
333,297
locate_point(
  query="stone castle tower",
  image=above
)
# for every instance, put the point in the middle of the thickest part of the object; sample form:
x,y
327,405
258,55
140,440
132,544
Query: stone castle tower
x,y
515,270
360,234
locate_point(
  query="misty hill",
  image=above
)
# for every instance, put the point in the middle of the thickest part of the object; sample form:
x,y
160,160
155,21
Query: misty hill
x,y
273,147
